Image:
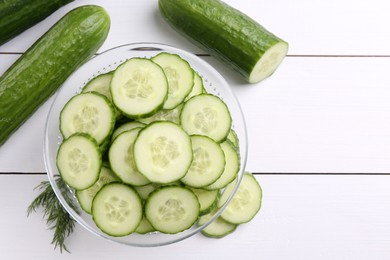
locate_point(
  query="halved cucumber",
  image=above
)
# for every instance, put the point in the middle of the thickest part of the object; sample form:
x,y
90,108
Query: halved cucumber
x,y
172,209
208,115
232,167
86,196
180,77
228,34
245,203
163,152
117,209
79,161
139,87
208,162
121,158
90,113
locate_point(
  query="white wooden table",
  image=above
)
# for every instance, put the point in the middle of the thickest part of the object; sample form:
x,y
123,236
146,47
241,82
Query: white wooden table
x,y
319,132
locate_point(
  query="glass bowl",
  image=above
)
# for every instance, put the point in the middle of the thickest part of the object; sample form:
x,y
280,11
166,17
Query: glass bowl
x,y
103,63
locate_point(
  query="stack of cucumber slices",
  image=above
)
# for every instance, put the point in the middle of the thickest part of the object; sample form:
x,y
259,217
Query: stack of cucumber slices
x,y
147,149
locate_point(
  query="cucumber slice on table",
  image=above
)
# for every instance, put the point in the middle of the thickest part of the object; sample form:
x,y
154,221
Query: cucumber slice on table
x,y
163,152
218,228
79,161
172,209
117,209
180,77
208,162
208,115
245,203
86,196
121,158
90,113
139,87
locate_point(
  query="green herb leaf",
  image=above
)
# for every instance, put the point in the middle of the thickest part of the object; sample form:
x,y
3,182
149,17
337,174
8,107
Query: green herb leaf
x,y
57,218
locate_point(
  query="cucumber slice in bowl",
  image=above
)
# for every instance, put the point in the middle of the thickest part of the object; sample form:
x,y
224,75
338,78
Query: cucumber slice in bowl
x,y
246,201
162,152
90,113
106,62
79,161
139,87
206,114
172,209
117,209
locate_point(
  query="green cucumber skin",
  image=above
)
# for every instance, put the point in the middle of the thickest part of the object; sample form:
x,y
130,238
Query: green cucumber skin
x,y
220,30
42,69
18,15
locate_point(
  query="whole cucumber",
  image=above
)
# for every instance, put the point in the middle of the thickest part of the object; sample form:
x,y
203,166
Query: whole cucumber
x,y
19,15
227,34
42,69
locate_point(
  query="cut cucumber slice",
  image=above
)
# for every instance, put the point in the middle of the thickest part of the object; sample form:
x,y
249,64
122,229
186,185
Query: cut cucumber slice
x,y
208,162
233,138
180,77
125,127
117,209
163,152
100,84
208,199
86,196
245,203
139,87
121,158
145,190
226,193
172,209
208,115
79,161
90,113
144,227
197,88
172,115
231,168
218,228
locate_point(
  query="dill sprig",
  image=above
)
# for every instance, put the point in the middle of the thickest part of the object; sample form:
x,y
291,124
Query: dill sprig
x,y
57,218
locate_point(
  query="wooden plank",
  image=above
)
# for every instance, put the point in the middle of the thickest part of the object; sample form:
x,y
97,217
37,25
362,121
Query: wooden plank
x,y
302,217
312,115
331,27
318,115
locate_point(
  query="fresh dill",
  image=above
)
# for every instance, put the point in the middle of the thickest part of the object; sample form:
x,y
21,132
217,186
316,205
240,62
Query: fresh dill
x,y
57,218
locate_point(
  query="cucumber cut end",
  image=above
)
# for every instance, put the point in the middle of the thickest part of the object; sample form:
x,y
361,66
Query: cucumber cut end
x,y
269,62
